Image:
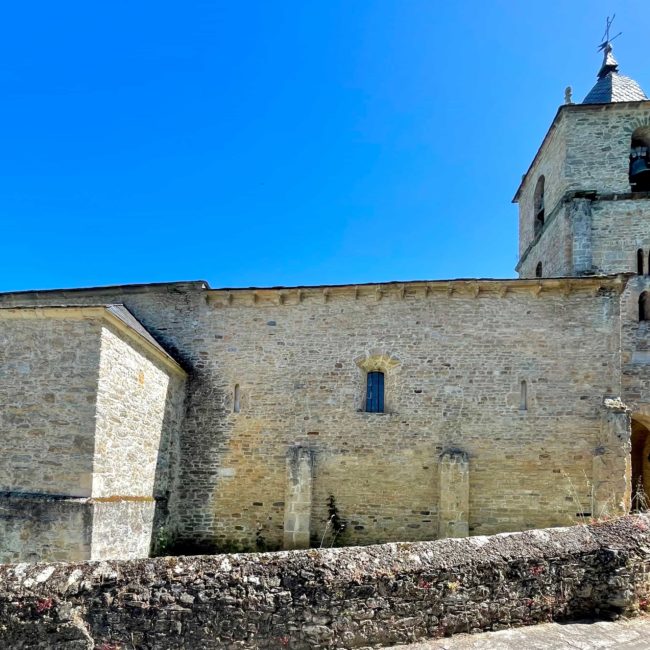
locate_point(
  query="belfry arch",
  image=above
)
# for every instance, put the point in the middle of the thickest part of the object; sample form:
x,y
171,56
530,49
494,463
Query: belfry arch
x,y
640,477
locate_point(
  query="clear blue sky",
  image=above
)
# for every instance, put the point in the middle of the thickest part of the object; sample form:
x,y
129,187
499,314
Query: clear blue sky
x,y
281,142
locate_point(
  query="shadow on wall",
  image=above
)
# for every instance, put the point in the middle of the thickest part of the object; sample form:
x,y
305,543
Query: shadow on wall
x,y
166,480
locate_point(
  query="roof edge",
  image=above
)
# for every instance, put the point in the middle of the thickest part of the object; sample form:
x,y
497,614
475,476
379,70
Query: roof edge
x,y
474,286
127,288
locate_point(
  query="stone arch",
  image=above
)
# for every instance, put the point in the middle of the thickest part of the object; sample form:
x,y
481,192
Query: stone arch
x,y
373,362
640,477
644,306
538,205
639,172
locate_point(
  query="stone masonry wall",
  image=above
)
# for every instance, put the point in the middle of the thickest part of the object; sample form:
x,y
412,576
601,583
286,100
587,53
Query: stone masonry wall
x,y
619,229
550,165
598,143
48,386
122,529
85,411
454,368
454,361
300,358
635,346
34,528
552,249
338,598
587,152
139,408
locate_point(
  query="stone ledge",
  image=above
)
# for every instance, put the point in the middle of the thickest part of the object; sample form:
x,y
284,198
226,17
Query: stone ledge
x,y
419,289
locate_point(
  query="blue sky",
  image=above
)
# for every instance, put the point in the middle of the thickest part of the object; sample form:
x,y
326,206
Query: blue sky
x,y
281,143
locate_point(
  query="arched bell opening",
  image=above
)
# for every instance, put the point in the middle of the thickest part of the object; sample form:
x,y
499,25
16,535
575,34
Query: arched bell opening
x,y
644,306
640,160
640,467
538,205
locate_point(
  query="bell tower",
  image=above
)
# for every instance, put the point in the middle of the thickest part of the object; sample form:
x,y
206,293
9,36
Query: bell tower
x,y
584,203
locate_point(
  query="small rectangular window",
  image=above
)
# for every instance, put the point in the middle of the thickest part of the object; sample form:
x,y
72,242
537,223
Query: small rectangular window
x,y
375,393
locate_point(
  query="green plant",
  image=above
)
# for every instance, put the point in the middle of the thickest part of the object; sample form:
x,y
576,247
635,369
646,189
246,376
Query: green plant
x,y
335,522
162,541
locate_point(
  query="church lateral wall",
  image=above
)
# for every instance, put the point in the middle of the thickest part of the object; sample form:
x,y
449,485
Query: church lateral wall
x,y
455,356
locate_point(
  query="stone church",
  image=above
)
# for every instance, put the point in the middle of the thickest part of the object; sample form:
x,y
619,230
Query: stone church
x,y
147,418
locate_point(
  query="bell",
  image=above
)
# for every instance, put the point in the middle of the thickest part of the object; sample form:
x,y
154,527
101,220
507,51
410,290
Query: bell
x,y
640,175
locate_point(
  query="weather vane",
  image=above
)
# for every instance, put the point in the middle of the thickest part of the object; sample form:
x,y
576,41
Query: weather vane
x,y
606,37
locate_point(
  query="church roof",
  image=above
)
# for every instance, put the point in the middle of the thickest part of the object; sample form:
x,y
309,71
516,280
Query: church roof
x,y
612,86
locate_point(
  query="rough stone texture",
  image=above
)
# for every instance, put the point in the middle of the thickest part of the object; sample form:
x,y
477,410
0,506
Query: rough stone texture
x,y
139,402
587,151
90,415
454,494
339,598
300,357
298,499
622,634
33,528
48,386
122,528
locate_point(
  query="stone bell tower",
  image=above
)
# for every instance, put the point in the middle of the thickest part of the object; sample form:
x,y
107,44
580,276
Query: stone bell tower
x,y
584,203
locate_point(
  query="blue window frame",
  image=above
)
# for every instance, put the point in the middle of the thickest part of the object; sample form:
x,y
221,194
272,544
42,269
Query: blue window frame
x,y
375,393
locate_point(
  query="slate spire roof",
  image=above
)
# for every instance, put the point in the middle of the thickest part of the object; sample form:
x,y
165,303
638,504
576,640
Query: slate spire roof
x,y
612,86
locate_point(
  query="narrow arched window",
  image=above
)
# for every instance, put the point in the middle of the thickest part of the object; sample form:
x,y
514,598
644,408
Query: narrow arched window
x,y
644,307
523,396
538,205
640,160
236,406
538,270
639,261
375,392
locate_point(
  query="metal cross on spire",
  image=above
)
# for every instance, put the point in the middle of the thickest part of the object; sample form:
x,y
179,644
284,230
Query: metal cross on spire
x,y
607,39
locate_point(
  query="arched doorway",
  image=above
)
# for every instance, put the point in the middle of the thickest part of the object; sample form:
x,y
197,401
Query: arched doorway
x,y
640,466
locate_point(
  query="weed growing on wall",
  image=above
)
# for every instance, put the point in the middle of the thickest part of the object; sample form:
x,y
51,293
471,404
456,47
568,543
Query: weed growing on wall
x,y
335,526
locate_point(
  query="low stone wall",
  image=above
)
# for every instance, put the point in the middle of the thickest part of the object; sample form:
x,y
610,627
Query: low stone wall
x,y
336,598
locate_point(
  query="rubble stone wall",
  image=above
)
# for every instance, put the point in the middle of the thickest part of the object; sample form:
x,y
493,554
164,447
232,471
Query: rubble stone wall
x,y
336,598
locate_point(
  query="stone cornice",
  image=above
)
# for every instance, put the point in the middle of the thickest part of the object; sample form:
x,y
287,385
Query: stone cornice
x,y
420,289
